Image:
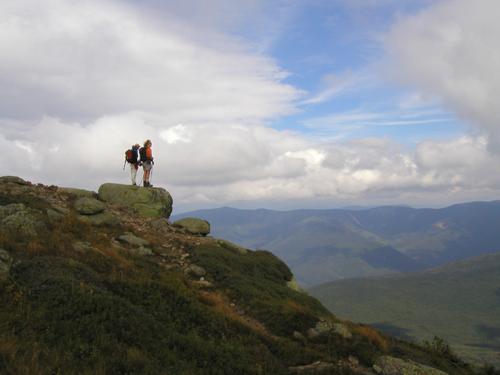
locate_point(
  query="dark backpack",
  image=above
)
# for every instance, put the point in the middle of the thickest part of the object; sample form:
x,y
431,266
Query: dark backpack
x,y
142,154
131,156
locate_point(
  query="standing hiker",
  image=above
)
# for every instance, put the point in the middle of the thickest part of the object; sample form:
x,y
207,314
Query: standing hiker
x,y
147,162
132,157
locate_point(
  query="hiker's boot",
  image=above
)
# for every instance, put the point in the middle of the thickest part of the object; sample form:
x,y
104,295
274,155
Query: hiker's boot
x,y
145,184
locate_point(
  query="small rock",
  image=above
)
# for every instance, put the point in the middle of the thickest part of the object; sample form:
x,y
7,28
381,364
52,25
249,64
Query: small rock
x,y
194,225
89,206
195,270
133,240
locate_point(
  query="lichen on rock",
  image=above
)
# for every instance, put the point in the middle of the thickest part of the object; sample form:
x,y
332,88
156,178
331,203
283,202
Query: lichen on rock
x,y
147,202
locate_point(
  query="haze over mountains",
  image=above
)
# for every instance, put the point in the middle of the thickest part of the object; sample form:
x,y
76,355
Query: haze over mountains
x,y
326,245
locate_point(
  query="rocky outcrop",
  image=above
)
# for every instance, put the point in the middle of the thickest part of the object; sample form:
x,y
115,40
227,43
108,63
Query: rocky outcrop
x,y
322,327
387,365
194,225
148,202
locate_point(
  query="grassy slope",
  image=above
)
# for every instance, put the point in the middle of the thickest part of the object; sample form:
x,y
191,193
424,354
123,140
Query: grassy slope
x,y
460,302
100,309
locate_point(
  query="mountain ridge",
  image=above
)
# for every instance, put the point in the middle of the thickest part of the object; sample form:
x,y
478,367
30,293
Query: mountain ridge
x,y
324,245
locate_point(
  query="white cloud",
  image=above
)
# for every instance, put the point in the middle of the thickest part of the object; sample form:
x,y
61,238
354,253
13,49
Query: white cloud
x,y
450,51
82,81
83,59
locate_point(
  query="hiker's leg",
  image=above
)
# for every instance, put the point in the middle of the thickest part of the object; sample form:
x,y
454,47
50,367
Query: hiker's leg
x,y
133,173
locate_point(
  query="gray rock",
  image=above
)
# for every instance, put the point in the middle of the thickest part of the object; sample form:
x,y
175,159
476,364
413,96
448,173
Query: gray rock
x,y
13,180
387,365
5,263
89,206
148,202
194,225
133,240
196,270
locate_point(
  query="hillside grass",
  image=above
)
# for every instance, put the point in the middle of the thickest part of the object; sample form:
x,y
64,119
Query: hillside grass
x,y
459,303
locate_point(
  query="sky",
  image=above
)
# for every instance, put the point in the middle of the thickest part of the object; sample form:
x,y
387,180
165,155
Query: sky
x,y
278,104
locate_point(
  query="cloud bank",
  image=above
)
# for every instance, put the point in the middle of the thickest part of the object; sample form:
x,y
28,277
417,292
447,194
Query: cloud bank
x,y
82,81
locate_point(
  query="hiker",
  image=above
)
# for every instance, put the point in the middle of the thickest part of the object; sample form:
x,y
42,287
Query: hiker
x,y
132,157
146,155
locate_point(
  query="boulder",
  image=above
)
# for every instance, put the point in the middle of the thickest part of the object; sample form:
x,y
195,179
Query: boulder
x,y
89,206
387,365
79,193
5,263
148,202
13,180
194,225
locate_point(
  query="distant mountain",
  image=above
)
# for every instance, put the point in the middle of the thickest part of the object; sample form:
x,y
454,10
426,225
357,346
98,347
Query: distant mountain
x,y
325,245
459,302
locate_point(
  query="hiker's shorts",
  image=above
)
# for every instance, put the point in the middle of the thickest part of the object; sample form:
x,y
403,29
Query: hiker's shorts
x,y
147,165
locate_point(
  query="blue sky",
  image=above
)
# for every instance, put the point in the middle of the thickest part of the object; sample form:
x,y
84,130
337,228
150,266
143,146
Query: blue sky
x,y
331,45
252,103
